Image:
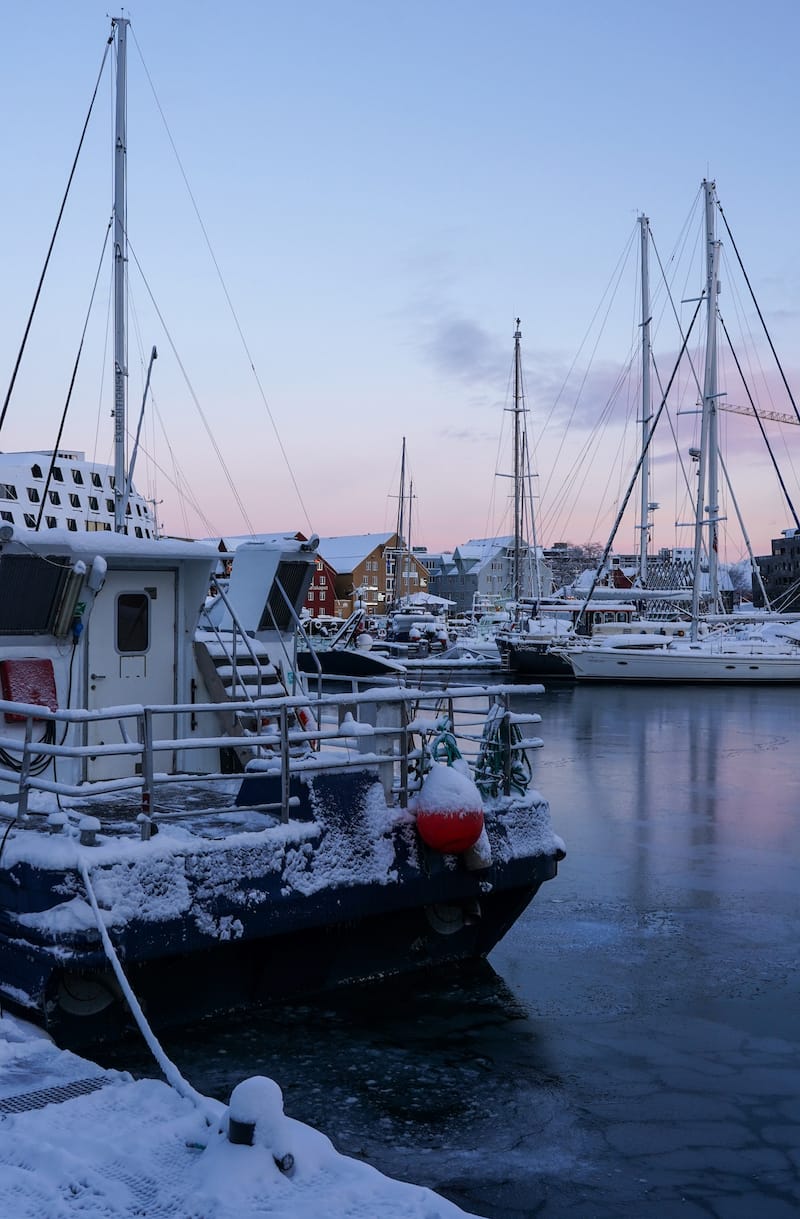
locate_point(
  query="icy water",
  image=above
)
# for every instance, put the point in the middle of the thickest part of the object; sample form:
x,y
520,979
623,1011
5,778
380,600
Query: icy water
x,y
633,1046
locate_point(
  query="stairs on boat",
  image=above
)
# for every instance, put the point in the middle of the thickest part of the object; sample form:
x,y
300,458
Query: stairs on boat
x,y
233,674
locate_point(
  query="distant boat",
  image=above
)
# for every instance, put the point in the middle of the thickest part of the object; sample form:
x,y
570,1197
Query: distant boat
x,y
739,653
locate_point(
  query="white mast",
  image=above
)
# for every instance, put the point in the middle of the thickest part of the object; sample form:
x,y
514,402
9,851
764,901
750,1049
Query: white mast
x,y
120,25
518,465
647,409
708,471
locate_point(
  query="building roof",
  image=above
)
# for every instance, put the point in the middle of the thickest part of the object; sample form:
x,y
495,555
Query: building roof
x,y
344,554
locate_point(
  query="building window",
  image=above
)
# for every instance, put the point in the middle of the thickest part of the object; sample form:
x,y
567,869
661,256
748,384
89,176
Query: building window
x,y
138,531
36,471
77,477
110,506
96,479
51,522
74,499
72,524
93,503
55,497
58,477
7,516
30,520
33,495
8,491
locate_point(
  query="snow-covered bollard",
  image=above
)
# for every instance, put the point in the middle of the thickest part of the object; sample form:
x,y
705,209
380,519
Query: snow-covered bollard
x,y
256,1119
89,828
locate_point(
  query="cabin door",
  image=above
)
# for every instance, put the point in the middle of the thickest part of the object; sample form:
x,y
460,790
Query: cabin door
x,y
131,642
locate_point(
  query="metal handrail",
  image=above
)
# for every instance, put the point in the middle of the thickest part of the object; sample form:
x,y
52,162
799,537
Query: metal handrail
x,y
393,743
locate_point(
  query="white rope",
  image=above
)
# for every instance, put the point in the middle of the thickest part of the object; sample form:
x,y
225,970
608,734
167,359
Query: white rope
x,y
210,1108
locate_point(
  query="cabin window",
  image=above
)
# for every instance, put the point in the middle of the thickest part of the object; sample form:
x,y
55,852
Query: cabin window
x,y
77,477
93,503
128,510
8,491
33,495
58,477
36,471
55,497
138,531
74,499
138,509
7,516
96,479
109,505
31,590
51,522
133,622
30,520
72,524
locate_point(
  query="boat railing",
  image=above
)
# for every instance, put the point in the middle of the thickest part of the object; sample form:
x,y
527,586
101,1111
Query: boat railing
x,y
394,731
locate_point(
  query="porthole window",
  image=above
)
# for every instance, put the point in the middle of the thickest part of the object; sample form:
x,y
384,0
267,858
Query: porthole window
x,y
133,622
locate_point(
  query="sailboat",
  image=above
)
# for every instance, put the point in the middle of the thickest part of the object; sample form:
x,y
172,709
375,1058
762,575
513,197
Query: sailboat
x,y
708,648
188,830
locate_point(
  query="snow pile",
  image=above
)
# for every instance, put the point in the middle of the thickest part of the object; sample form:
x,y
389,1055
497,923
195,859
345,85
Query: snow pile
x,y
135,1148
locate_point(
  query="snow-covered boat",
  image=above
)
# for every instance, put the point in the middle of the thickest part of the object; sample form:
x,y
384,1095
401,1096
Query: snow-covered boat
x,y
176,805
236,841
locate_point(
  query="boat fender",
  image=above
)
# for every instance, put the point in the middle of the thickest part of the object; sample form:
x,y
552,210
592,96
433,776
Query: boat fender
x,y
449,810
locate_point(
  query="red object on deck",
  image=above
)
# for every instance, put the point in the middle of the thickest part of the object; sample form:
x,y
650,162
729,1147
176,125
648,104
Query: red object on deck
x,y
450,830
28,681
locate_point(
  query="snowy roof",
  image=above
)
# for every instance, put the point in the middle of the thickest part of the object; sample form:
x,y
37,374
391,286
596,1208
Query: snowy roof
x,y
345,553
231,541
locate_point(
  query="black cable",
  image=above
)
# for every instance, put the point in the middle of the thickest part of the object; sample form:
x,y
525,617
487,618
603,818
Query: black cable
x,y
55,458
758,311
761,425
29,322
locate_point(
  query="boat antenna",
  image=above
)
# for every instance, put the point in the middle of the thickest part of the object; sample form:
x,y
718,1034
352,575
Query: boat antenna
x,y
120,28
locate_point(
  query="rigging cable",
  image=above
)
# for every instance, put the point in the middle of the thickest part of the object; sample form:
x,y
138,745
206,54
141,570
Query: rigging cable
x,y
758,311
78,355
29,322
225,290
760,423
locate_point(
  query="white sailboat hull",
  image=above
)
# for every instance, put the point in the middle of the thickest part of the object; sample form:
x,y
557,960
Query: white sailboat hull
x,y
686,663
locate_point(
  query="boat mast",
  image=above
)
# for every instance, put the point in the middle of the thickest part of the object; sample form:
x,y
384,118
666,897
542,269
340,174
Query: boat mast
x,y
708,472
120,25
401,506
518,466
647,408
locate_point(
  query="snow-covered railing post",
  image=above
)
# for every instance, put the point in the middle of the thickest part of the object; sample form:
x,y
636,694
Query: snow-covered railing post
x,y
148,772
508,756
24,770
404,755
285,773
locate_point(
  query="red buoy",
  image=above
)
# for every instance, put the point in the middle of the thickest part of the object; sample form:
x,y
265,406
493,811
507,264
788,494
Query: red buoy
x,y
449,810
